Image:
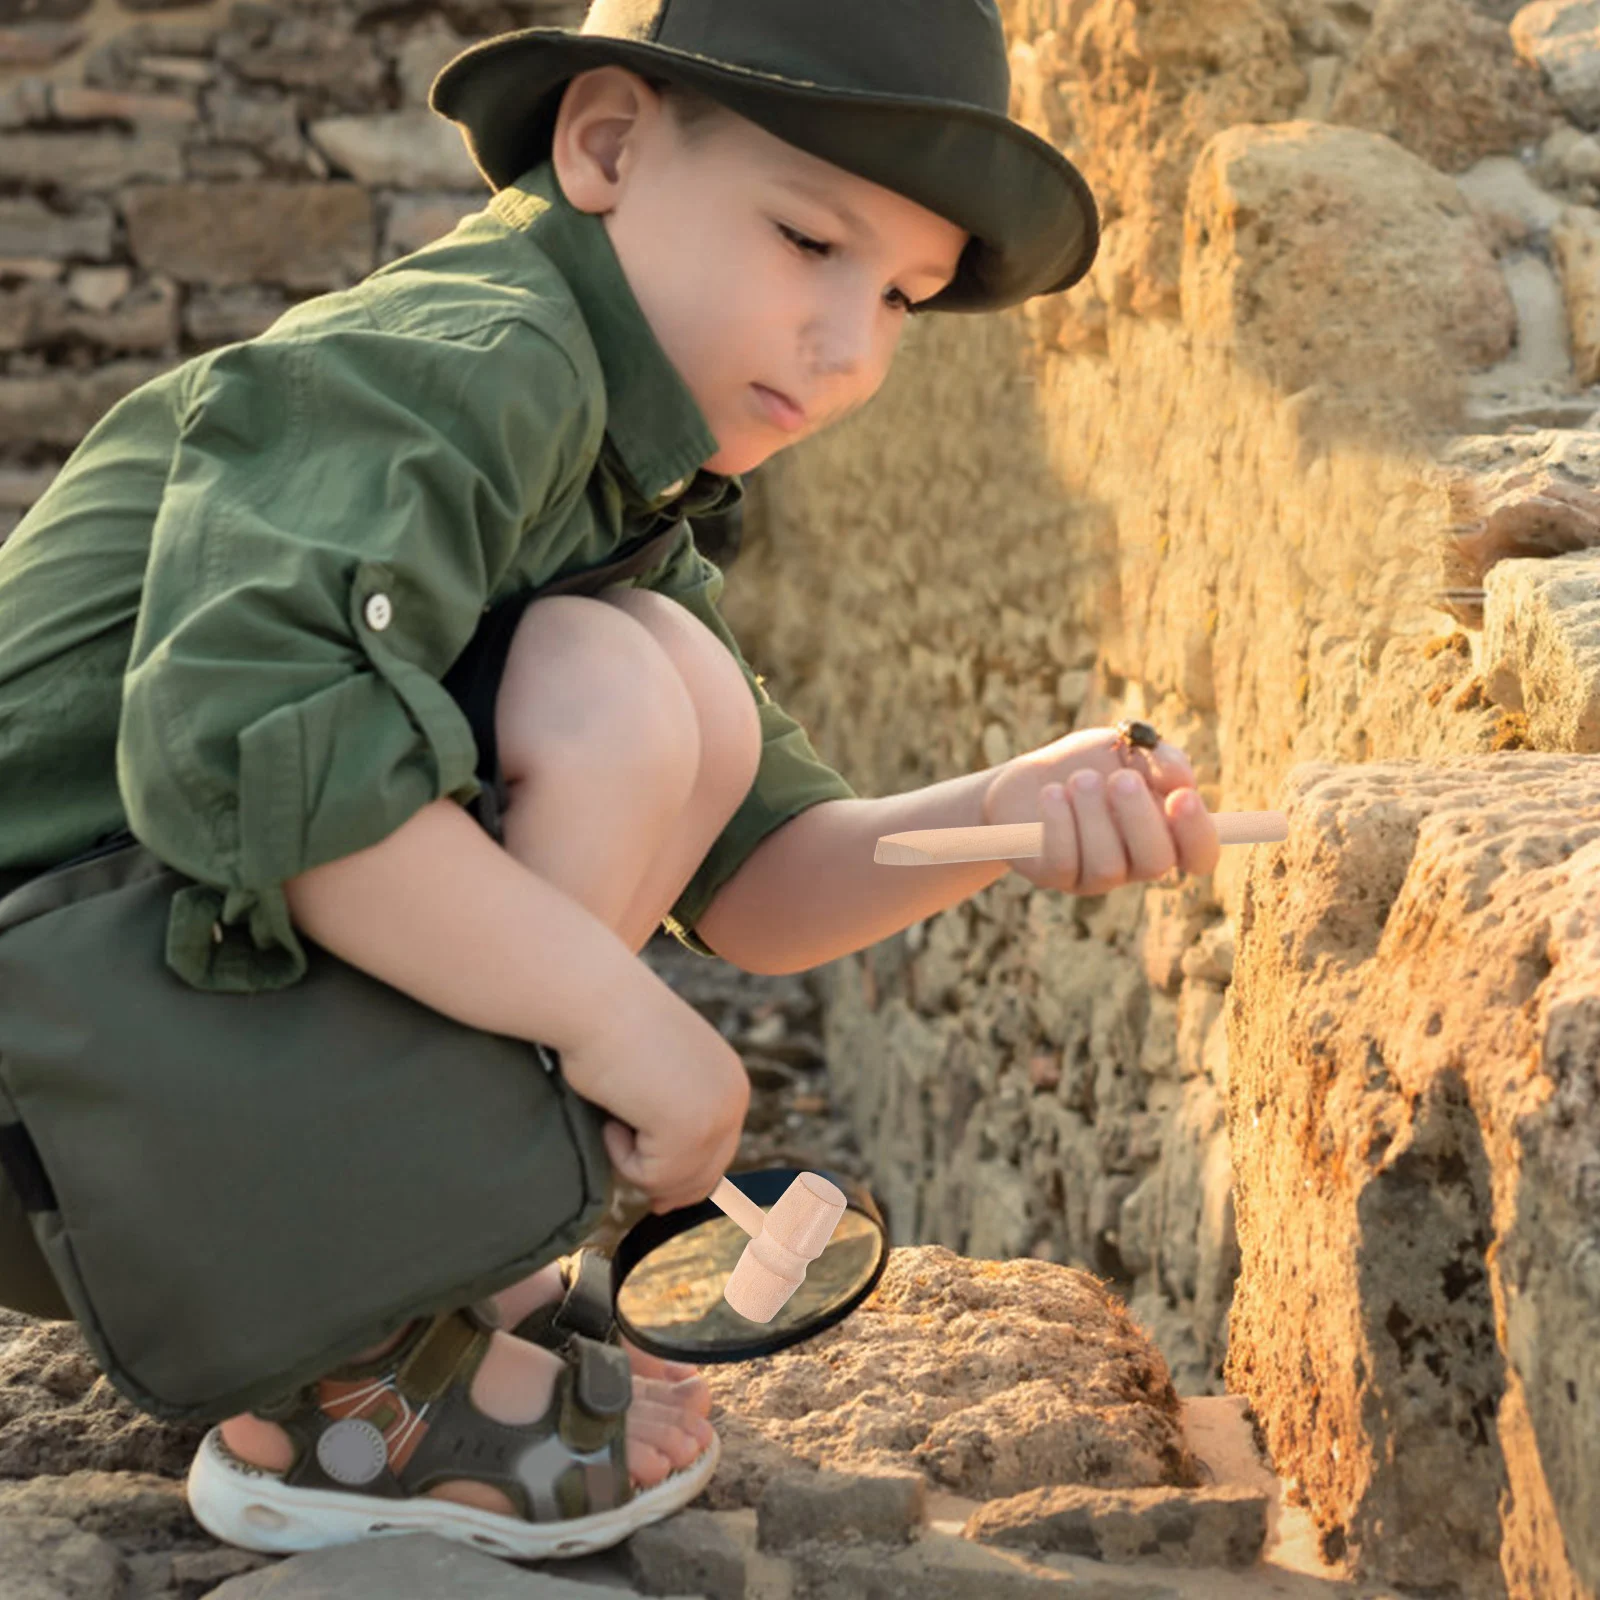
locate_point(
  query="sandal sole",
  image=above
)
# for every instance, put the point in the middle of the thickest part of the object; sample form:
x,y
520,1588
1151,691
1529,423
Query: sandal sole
x,y
255,1510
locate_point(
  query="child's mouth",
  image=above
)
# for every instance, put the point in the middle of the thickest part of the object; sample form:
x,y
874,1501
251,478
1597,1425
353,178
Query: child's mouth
x,y
780,408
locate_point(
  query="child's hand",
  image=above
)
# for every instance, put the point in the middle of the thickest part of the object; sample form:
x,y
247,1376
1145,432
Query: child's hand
x,y
677,1088
1098,837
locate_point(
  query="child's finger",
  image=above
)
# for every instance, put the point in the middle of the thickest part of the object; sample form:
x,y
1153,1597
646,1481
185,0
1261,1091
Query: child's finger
x,y
1145,834
1102,862
1058,861
1194,831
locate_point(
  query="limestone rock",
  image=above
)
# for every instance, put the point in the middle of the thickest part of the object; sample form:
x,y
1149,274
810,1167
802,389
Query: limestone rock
x,y
47,1558
1576,239
399,149
415,1566
987,1377
57,1414
1541,647
1505,196
301,235
882,1508
1518,495
1563,38
1331,256
37,44
1445,82
30,228
1171,1527
1416,1138
687,1553
1131,93
91,161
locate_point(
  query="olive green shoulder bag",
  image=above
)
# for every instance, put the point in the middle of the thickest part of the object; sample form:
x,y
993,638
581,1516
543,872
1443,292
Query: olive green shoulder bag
x,y
236,1192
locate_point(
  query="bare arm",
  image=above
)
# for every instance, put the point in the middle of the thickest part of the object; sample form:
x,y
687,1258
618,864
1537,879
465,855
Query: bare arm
x,y
811,892
440,911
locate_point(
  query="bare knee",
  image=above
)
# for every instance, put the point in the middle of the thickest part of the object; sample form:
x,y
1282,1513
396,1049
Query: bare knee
x,y
725,709
587,687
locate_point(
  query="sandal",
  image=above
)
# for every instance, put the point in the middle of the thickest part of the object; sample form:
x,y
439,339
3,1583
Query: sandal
x,y
397,1425
585,1307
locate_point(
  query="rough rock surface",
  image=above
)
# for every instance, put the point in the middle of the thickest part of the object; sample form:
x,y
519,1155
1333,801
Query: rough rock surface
x,y
1445,81
1563,37
986,1377
1416,1142
1331,256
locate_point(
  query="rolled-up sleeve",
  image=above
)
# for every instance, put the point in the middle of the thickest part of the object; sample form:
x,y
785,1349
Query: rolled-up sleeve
x,y
790,778
337,511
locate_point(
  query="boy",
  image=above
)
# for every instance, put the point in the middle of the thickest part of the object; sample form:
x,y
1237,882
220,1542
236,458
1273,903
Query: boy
x,y
276,618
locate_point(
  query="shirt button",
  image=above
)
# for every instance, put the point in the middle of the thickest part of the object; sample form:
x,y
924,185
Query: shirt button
x,y
378,612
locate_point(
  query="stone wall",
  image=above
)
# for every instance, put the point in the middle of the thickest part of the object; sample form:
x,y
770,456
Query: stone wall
x,y
172,179
1303,475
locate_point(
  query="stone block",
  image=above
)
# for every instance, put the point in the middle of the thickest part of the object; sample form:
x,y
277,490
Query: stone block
x,y
941,1567
1522,495
1541,647
1221,1527
98,288
1510,202
94,161
60,407
24,102
984,1377
1576,241
1563,38
77,103
883,1508
423,56
47,1558
398,149
136,1509
21,486
305,236
1444,81
1416,1138
1333,257
30,228
690,1552
415,1566
37,44
413,220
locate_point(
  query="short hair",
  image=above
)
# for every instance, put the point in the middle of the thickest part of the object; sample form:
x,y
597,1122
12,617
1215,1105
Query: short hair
x,y
694,112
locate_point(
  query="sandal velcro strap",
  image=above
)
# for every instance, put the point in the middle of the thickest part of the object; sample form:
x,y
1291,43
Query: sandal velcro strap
x,y
585,1306
452,1347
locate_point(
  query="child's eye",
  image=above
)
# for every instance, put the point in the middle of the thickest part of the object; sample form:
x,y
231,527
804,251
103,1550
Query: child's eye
x,y
823,251
810,245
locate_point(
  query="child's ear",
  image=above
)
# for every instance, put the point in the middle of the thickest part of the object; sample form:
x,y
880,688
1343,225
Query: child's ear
x,y
603,114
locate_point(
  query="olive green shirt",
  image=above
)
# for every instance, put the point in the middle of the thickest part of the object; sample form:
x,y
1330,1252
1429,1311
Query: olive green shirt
x,y
225,624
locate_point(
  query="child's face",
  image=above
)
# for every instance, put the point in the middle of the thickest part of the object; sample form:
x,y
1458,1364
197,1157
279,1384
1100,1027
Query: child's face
x,y
752,282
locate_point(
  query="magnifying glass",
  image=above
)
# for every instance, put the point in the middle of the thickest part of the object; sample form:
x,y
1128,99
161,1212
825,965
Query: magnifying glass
x,y
668,1273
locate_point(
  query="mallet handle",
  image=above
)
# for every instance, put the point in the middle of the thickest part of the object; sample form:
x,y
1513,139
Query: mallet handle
x,y
738,1205
1012,841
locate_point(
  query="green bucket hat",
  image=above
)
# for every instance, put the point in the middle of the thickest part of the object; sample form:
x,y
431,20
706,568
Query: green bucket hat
x,y
912,95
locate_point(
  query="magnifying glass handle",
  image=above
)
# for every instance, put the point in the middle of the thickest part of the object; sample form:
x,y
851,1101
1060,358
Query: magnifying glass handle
x,y
1013,841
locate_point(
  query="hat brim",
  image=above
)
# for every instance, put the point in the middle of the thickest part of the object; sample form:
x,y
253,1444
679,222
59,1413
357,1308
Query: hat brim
x,y
1034,226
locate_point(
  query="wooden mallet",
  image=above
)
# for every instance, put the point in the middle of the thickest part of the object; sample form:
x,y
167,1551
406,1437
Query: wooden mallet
x,y
783,1241
1012,841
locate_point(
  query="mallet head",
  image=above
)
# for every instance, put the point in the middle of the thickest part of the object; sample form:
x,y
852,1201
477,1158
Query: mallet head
x,y
796,1232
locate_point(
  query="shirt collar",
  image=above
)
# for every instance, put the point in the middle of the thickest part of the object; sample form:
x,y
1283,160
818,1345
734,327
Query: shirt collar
x,y
658,433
